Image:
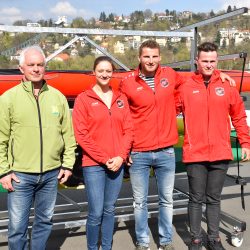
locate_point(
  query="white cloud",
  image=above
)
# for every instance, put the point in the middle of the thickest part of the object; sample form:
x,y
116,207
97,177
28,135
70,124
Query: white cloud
x,y
237,3
12,11
36,16
64,8
10,15
86,13
148,2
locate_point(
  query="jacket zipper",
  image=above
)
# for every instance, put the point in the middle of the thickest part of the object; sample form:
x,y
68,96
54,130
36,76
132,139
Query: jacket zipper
x,y
41,133
157,118
110,115
156,107
208,116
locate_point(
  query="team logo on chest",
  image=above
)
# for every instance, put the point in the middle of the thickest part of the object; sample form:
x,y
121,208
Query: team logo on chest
x,y
219,91
55,111
164,82
120,103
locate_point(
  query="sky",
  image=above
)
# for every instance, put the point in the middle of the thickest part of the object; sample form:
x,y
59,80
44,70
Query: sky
x,y
13,10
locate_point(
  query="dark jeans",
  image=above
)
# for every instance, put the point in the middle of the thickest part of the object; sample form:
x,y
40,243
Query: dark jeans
x,y
206,180
102,187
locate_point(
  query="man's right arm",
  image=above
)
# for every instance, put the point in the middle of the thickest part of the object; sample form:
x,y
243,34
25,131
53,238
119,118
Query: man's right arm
x,y
178,100
5,172
238,118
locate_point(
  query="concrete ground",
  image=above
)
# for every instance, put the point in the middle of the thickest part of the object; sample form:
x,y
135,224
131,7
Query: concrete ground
x,y
124,236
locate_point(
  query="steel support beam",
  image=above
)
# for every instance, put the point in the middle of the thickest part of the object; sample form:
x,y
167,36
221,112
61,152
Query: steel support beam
x,y
105,52
215,19
62,48
80,31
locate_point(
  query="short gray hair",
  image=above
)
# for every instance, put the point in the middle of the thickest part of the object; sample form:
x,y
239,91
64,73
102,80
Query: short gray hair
x,y
25,50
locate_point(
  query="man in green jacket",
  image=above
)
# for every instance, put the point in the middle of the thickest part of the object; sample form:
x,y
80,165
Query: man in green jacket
x,y
37,149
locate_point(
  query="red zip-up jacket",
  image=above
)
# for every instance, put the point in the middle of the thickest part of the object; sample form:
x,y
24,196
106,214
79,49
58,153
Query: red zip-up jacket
x,y
153,113
101,132
206,112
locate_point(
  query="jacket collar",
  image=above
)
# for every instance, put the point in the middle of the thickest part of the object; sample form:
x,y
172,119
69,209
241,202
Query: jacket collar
x,y
197,77
28,86
91,93
137,72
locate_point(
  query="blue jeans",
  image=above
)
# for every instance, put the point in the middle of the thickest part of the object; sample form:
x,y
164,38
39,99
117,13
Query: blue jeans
x,y
40,189
103,187
163,163
206,180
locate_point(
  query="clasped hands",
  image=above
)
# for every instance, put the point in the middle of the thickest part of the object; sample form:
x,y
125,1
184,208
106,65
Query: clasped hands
x,y
114,163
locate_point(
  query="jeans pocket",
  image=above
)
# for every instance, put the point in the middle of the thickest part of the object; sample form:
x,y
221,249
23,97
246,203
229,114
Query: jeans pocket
x,y
169,151
134,155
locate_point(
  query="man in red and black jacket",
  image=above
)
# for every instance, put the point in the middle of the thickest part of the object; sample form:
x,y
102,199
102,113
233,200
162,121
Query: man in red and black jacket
x,y
150,92
207,105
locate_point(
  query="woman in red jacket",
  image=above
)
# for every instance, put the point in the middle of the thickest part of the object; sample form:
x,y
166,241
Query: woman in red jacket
x,y
103,129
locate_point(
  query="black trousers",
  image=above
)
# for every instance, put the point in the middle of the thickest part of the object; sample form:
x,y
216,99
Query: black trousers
x,y
206,180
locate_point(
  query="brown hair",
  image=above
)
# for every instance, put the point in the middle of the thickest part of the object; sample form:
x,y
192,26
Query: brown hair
x,y
152,44
206,47
102,59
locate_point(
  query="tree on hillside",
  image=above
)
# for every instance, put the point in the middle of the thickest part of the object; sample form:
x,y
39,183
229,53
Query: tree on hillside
x,y
103,17
52,64
86,50
199,16
78,22
87,62
50,23
148,13
137,16
22,22
92,23
5,63
211,14
217,38
229,9
155,17
129,58
157,25
21,38
42,23
46,23
232,42
174,14
111,17
6,41
224,43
